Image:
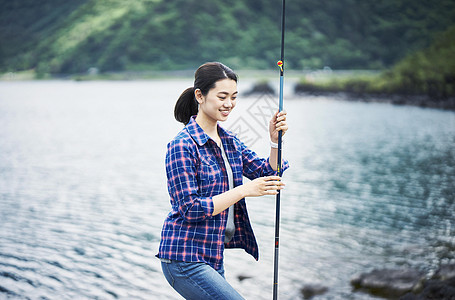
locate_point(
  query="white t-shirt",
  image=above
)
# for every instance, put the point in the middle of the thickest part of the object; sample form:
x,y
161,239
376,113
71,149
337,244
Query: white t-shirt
x,y
230,226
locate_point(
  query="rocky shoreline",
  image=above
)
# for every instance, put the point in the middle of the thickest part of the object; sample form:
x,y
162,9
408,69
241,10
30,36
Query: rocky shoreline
x,y
393,284
395,99
408,284
400,284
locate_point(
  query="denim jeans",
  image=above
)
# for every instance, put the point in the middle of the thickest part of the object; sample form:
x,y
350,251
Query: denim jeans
x,y
198,280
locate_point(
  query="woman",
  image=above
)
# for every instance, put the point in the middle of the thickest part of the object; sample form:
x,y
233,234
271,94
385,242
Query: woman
x,y
205,165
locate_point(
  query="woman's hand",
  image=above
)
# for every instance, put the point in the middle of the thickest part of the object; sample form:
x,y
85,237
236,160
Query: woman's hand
x,y
277,123
268,185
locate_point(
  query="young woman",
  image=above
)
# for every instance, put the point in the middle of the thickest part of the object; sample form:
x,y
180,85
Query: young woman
x,y
205,165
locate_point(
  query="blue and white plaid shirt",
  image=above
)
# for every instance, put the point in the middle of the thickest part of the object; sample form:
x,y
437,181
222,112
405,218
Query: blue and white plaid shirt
x,y
196,172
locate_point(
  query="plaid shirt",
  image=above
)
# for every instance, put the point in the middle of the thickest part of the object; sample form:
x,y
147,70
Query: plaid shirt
x,y
196,172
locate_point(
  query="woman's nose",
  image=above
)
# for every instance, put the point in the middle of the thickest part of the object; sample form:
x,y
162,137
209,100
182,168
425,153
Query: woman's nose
x,y
227,103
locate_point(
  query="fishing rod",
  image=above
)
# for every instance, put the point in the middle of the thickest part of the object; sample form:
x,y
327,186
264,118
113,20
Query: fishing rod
x,y
280,142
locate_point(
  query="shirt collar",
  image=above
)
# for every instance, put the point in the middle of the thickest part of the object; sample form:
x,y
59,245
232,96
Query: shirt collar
x,y
198,134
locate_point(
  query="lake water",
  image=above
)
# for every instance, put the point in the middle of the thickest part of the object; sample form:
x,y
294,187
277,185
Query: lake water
x,y
83,191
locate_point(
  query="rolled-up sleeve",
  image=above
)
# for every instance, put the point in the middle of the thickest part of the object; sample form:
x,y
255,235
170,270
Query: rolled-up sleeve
x,y
182,183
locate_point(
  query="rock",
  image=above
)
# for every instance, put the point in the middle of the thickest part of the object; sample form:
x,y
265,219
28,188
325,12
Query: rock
x,y
434,289
262,87
443,290
308,291
243,277
441,286
445,272
388,282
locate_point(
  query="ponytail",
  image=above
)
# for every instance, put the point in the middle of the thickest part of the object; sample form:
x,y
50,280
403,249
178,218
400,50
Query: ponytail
x,y
186,106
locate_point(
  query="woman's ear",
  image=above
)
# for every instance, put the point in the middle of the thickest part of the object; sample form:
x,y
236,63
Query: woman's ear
x,y
198,96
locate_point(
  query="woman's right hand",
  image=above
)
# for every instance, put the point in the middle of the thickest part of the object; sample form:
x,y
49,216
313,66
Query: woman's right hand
x,y
268,185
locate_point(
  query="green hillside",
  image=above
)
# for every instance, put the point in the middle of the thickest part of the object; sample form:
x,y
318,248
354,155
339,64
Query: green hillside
x,y
425,78
52,36
430,71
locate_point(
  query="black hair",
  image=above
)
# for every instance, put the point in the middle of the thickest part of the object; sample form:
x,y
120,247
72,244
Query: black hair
x,y
205,79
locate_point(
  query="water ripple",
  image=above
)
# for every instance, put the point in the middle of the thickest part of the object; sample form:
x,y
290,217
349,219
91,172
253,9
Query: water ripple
x,y
83,193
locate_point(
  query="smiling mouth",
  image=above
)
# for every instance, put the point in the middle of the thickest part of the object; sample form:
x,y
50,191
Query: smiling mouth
x,y
225,112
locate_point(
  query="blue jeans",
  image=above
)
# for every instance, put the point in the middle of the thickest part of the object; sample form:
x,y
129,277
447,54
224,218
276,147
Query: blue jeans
x,y
198,280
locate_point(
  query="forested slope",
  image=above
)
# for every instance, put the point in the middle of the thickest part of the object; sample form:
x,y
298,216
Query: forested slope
x,y
54,36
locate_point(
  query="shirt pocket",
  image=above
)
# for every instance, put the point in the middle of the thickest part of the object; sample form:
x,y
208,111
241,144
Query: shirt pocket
x,y
209,176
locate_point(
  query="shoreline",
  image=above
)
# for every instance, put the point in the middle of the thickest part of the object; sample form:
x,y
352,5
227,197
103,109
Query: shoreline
x,y
262,80
95,75
422,101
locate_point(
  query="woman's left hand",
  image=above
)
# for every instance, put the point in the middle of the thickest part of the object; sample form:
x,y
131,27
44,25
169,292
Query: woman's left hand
x,y
277,123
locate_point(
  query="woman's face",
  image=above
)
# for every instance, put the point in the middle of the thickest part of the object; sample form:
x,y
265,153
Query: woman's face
x,y
219,101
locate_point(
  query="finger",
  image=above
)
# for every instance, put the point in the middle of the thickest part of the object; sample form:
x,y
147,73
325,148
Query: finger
x,y
275,115
271,192
280,120
272,177
281,117
270,185
276,186
283,128
280,124
281,114
274,182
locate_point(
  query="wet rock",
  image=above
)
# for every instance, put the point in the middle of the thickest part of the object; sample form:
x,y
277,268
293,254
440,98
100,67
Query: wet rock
x,y
434,289
445,272
243,277
388,282
441,286
311,290
262,87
